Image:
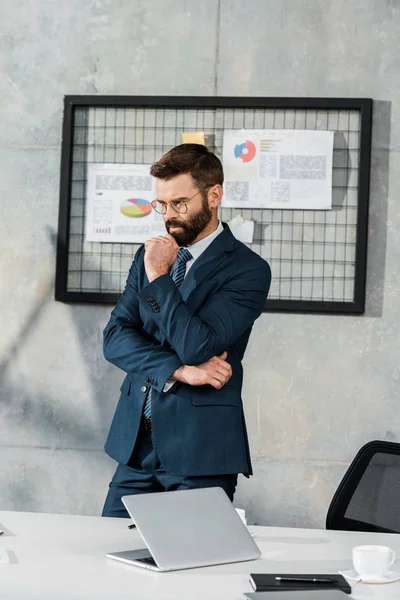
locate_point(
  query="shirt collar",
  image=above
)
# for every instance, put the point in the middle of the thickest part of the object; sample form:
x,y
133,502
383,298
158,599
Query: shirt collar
x,y
198,248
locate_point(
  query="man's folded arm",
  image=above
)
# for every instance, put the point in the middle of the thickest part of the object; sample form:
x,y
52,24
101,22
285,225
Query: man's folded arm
x,y
223,318
129,348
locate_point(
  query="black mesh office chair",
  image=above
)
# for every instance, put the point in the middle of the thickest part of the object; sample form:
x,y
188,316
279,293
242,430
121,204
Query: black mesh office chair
x,y
368,497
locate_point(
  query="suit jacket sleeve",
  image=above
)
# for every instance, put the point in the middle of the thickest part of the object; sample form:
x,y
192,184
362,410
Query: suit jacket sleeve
x,y
126,344
223,318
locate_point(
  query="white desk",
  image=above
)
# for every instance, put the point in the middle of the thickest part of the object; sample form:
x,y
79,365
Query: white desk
x,y
62,557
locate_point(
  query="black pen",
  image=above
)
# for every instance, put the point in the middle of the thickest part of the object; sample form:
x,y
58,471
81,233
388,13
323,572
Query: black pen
x,y
306,579
132,526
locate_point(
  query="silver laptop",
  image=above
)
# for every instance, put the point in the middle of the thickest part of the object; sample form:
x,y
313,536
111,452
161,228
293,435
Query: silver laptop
x,y
187,529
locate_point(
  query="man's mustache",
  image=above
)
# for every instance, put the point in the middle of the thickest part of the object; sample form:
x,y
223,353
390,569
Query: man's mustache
x,y
175,224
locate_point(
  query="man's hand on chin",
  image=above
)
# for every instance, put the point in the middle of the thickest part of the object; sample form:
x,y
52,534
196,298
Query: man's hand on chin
x,y
160,255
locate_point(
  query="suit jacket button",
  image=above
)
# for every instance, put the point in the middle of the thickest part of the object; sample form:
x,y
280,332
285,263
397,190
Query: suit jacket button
x,y
143,388
148,380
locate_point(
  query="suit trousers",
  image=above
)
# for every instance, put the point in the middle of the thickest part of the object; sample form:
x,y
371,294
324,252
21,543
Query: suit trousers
x,y
144,474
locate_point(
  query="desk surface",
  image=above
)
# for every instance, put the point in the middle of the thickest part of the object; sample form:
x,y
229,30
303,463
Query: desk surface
x,y
62,557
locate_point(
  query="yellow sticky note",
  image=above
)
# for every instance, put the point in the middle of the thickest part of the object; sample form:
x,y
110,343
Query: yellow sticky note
x,y
193,137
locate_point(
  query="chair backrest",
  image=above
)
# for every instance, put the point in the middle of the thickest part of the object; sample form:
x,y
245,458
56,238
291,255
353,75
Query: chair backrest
x,y
368,497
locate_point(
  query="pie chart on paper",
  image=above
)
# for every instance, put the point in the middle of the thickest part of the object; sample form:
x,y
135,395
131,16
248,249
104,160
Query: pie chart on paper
x,y
135,208
245,151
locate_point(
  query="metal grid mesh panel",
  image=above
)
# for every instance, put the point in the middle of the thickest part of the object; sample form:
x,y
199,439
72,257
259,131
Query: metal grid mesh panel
x,y
312,254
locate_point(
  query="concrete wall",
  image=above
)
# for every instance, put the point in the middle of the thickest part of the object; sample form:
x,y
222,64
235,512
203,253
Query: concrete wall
x,y
316,387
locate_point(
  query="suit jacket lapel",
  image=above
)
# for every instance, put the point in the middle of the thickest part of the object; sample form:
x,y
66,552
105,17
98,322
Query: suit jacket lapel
x,y
208,261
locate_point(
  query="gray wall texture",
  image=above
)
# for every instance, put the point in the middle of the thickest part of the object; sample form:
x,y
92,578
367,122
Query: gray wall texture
x,y
316,387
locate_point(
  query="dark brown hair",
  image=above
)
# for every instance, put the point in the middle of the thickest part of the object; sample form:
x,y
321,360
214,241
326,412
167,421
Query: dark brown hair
x,y
195,159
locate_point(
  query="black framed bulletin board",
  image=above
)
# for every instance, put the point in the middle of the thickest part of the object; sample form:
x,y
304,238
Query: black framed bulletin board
x,y
317,257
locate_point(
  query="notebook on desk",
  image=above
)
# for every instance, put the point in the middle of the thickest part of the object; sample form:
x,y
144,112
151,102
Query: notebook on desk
x,y
297,595
265,582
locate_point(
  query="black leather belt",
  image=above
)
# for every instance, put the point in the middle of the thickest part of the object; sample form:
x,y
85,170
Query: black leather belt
x,y
147,424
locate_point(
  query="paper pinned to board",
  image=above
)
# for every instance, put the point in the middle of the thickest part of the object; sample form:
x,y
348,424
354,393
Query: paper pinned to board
x,y
242,229
287,169
118,204
193,137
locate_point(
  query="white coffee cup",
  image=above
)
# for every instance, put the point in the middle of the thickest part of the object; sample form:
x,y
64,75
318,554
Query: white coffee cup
x,y
242,514
372,561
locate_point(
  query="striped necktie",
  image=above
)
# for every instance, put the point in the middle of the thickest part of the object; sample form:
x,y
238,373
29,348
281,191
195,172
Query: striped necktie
x,y
178,276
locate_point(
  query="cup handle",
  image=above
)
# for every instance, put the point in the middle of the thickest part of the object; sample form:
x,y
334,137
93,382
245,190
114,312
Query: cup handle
x,y
393,554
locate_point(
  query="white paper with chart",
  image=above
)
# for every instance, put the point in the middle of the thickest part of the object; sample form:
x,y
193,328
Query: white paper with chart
x,y
278,168
118,207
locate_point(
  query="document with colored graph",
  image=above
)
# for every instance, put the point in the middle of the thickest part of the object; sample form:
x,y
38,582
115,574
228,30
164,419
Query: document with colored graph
x,y
278,168
118,204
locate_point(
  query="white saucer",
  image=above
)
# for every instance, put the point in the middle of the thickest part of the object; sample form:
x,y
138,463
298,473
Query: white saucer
x,y
388,578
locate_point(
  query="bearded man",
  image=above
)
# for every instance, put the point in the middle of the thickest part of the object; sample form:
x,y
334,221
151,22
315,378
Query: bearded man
x,y
179,332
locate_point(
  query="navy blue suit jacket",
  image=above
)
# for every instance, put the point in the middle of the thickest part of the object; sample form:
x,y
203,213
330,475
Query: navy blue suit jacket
x,y
156,327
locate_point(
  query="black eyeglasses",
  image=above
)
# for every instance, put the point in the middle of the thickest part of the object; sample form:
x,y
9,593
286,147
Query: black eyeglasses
x,y
179,206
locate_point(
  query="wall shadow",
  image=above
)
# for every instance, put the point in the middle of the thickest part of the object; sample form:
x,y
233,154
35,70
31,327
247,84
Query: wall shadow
x,y
378,208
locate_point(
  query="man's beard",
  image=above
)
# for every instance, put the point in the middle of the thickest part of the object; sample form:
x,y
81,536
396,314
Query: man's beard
x,y
190,228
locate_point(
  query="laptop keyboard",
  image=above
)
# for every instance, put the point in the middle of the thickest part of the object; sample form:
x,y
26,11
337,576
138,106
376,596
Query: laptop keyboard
x,y
149,560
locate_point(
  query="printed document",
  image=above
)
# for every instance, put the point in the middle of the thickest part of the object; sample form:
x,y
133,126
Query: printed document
x,y
278,168
118,207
